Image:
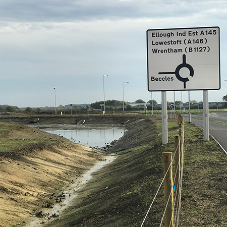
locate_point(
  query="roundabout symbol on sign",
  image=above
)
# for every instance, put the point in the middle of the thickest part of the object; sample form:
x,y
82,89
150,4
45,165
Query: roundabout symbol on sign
x,y
177,71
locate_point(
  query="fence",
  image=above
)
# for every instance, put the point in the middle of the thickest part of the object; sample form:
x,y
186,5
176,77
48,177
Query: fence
x,y
172,185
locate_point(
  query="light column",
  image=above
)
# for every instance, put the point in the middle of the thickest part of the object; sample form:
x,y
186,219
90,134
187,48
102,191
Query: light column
x,y
55,100
104,109
124,97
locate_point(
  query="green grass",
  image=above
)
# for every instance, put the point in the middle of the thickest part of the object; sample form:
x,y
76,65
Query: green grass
x,y
192,111
222,122
19,138
4,126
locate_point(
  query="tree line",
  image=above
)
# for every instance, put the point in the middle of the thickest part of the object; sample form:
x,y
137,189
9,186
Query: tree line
x,y
109,105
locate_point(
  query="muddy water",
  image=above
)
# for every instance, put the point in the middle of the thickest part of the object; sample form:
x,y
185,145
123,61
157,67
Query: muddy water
x,y
69,195
91,137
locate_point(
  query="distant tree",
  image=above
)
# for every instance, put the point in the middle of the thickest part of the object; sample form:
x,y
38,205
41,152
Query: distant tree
x,y
177,103
110,103
38,110
96,105
224,98
2,109
11,108
154,102
28,110
129,107
140,101
114,103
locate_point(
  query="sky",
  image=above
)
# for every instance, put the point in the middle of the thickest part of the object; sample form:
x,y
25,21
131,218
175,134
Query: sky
x,y
70,44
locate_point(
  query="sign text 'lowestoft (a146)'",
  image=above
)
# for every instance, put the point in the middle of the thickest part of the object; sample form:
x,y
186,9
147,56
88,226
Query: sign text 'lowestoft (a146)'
x,y
183,59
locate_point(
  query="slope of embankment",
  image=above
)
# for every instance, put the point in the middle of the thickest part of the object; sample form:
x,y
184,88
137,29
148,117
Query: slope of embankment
x,y
68,120
121,193
34,168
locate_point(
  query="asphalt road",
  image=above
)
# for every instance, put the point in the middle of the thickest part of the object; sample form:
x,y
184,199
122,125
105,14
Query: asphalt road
x,y
217,130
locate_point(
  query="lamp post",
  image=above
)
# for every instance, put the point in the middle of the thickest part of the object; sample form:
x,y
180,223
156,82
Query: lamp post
x,y
104,110
124,97
55,100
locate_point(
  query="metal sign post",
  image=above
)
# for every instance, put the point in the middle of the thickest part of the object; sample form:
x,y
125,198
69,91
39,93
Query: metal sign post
x,y
189,108
206,115
174,102
164,118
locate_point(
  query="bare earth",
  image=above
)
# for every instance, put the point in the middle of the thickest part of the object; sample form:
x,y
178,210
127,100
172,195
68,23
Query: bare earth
x,y
31,181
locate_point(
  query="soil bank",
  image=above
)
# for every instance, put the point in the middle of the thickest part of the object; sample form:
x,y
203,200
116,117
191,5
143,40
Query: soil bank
x,y
35,170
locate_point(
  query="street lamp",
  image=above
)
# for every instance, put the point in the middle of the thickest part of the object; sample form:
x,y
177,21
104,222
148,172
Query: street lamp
x,y
55,100
104,110
124,97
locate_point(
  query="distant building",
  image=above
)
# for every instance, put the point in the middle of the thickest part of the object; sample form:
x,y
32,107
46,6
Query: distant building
x,y
133,104
68,106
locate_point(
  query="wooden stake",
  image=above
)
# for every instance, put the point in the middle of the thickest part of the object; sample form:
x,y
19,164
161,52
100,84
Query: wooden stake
x,y
168,189
181,133
177,171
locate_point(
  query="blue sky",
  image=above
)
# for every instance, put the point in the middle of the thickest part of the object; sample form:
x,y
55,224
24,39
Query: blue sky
x,y
71,44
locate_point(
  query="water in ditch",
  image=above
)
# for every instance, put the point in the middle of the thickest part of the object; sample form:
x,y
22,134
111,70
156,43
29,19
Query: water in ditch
x,y
92,137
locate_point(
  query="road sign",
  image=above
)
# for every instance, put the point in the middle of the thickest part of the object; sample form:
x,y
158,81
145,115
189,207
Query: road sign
x,y
183,59
172,104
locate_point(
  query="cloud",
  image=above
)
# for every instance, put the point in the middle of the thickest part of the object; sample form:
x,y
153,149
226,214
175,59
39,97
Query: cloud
x,y
84,10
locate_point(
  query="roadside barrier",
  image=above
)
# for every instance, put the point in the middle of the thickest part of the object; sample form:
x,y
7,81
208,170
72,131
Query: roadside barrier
x,y
172,187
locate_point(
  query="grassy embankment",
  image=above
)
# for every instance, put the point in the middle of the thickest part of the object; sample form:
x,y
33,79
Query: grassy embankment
x,y
120,194
19,138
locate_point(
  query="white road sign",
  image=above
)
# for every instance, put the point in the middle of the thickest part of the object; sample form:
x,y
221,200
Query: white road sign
x,y
183,59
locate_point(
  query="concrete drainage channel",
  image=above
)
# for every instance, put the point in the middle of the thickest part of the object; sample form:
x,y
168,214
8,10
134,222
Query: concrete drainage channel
x,y
67,196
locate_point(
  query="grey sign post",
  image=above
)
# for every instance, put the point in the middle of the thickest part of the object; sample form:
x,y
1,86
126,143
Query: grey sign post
x,y
184,59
